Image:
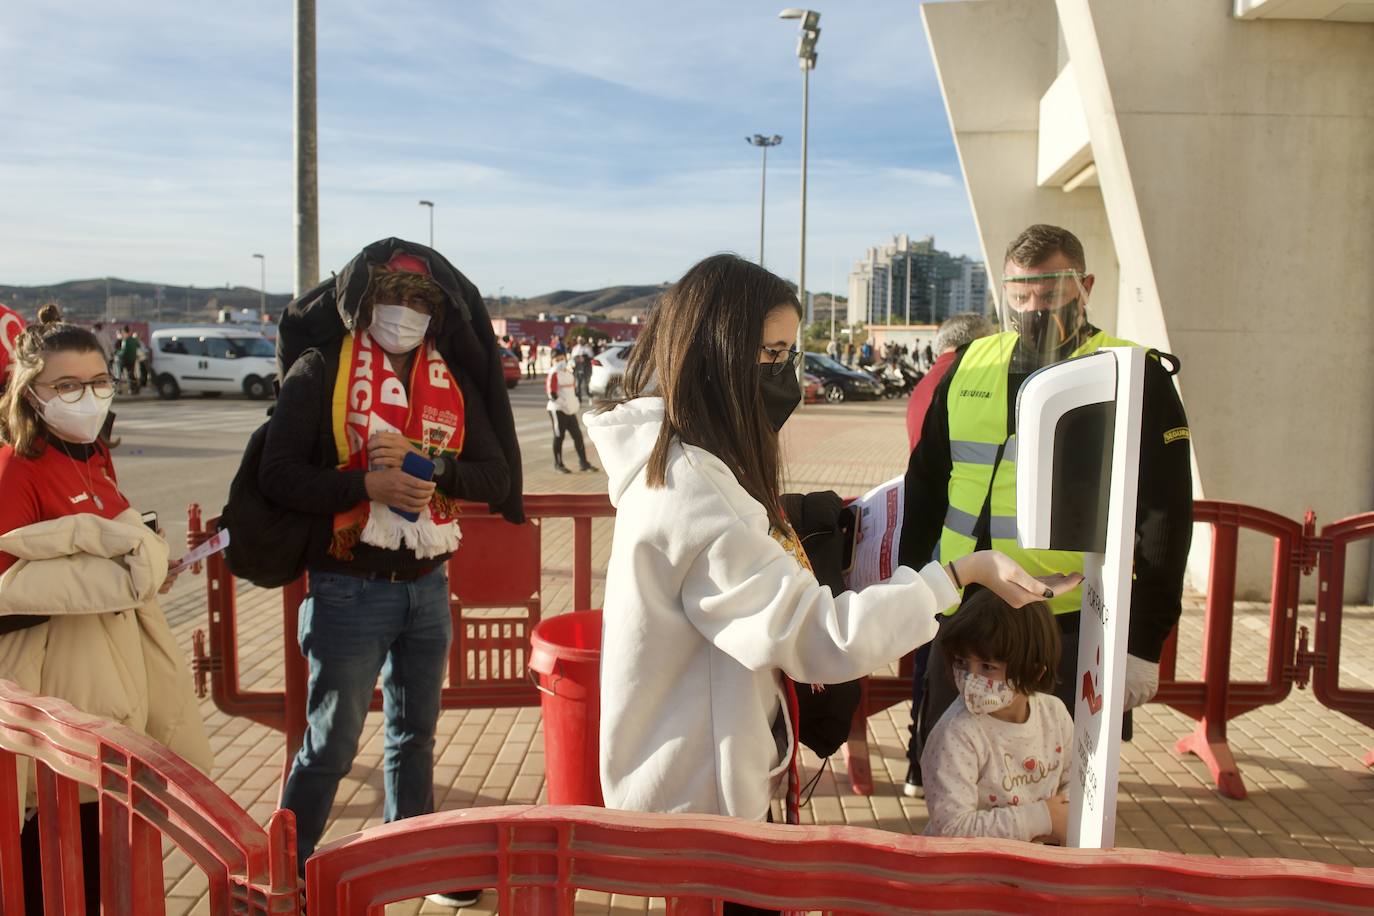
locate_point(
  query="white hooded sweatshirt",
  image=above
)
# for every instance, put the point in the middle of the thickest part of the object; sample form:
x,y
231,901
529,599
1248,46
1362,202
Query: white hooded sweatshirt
x,y
703,611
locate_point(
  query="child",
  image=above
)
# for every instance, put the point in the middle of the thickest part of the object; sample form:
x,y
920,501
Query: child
x,y
998,763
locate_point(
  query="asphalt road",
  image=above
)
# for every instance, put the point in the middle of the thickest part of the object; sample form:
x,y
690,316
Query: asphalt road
x,y
174,453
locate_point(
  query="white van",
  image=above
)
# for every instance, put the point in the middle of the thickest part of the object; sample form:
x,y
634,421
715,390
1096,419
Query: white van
x,y
211,361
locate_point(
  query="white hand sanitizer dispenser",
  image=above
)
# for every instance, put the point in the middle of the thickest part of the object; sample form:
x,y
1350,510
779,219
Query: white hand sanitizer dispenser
x,y
1077,465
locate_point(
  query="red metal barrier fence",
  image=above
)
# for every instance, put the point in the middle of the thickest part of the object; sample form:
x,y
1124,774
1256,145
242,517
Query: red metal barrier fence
x,y
536,858
146,793
500,566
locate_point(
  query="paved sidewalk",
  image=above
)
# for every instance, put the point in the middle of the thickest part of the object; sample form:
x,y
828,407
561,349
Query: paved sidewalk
x,y
1310,797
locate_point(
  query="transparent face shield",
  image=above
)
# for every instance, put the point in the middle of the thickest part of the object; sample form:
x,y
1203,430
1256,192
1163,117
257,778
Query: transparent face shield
x,y
1048,312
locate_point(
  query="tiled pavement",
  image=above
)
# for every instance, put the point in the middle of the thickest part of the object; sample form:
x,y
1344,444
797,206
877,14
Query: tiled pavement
x,y
1309,795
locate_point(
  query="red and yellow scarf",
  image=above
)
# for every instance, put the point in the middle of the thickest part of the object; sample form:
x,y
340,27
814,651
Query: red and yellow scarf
x,y
369,398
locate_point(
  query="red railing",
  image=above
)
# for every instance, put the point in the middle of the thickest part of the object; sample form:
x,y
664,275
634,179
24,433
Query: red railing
x,y
1331,548
499,566
1217,698
536,859
146,794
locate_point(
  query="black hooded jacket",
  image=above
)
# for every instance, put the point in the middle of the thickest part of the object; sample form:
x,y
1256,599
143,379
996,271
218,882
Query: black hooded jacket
x,y
323,315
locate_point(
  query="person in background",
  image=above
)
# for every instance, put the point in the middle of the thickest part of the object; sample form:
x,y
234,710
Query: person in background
x,y
961,478
11,325
866,354
379,594
928,354
129,348
531,356
72,546
832,349
582,355
711,608
956,332
849,353
563,407
515,350
999,764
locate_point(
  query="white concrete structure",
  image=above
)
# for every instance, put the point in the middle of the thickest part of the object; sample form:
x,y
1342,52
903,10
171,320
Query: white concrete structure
x,y
1220,172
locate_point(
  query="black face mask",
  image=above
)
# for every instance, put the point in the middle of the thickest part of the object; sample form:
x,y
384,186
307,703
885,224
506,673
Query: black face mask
x,y
1045,333
781,393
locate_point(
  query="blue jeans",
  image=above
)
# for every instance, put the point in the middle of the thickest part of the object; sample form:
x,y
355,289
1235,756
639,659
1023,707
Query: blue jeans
x,y
351,629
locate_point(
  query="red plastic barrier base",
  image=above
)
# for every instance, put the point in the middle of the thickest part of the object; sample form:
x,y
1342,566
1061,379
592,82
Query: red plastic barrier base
x,y
1216,753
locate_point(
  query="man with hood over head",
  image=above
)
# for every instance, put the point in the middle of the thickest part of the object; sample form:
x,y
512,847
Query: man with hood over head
x,y
398,366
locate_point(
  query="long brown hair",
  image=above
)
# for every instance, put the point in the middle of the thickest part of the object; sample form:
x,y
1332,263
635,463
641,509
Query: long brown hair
x,y
699,351
20,424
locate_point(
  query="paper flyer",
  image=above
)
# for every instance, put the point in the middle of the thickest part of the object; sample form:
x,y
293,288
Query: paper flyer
x,y
878,528
212,546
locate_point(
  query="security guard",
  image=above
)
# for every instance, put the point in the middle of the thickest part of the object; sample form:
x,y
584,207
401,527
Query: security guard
x,y
961,479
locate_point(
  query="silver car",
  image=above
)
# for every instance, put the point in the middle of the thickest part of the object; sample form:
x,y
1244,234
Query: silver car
x,y
608,367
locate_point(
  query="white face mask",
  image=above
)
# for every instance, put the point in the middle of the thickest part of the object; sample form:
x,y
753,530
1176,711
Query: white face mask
x,y
79,422
397,329
983,695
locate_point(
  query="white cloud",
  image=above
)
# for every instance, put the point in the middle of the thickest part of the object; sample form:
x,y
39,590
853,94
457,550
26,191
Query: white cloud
x,y
565,146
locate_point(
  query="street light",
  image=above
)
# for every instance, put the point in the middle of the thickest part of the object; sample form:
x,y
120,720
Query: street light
x,y
764,142
806,57
430,204
262,288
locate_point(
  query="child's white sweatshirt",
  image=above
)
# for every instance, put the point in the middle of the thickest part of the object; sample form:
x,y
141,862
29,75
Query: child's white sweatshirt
x,y
988,778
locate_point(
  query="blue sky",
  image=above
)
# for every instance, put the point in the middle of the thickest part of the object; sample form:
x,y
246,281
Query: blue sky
x,y
565,145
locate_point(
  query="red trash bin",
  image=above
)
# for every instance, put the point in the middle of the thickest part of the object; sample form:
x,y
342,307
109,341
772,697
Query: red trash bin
x,y
566,656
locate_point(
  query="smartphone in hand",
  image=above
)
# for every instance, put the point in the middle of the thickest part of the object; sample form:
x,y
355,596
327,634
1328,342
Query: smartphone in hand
x,y
149,519
415,465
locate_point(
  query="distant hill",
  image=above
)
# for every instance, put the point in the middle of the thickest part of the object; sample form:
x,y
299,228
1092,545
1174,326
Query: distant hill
x,y
611,302
133,300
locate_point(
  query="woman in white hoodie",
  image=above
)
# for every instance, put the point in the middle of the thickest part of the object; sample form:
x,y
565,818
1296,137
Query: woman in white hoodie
x,y
709,599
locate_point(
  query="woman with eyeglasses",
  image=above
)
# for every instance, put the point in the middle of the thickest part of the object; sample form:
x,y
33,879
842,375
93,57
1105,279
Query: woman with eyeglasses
x,y
711,610
79,571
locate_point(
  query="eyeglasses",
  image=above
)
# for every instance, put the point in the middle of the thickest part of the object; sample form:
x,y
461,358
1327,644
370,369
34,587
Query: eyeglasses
x,y
779,360
72,391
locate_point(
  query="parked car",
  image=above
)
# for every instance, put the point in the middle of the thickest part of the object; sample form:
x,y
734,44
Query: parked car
x,y
811,388
211,361
510,367
608,368
840,383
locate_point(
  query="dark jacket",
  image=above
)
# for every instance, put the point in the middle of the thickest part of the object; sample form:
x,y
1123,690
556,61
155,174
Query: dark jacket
x,y
320,317
1164,501
295,475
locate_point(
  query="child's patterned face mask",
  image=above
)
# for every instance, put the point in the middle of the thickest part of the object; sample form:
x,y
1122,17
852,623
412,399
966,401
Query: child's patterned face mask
x,y
983,695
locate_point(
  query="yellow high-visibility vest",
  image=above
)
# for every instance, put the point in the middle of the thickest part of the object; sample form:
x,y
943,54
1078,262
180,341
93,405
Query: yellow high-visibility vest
x,y
977,405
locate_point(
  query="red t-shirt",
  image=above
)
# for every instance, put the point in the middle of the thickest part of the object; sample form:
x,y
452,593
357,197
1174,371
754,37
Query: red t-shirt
x,y
920,396
56,484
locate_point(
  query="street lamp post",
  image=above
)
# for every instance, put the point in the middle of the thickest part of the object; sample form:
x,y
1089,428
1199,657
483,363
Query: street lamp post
x,y
262,288
430,204
307,152
806,56
763,142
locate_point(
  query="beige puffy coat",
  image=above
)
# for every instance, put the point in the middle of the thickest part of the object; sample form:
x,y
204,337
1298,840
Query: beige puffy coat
x,y
107,648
